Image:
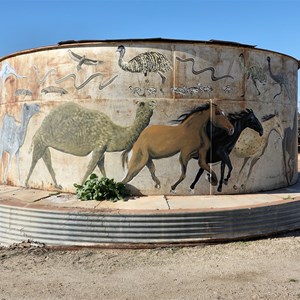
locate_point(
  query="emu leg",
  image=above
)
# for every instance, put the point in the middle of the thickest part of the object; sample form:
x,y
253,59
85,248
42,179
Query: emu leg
x,y
163,80
151,168
279,92
47,160
254,82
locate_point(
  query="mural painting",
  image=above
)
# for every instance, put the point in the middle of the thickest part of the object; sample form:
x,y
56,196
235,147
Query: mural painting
x,y
251,146
6,71
222,144
189,138
201,138
83,60
280,78
76,130
145,63
12,136
253,72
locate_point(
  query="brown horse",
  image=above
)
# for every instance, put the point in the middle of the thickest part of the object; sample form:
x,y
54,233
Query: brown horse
x,y
189,138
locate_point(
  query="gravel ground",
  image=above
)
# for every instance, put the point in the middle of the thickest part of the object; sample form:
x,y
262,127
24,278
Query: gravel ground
x,y
261,269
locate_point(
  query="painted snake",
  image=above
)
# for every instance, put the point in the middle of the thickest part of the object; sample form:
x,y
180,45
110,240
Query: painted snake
x,y
213,77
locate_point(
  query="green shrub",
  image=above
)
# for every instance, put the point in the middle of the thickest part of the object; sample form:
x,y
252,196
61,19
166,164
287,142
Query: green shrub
x,y
100,189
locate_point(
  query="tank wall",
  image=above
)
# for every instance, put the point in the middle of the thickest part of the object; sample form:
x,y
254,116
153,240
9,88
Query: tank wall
x,y
68,112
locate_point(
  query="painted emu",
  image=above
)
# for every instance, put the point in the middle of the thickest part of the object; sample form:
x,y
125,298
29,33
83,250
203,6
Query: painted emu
x,y
76,130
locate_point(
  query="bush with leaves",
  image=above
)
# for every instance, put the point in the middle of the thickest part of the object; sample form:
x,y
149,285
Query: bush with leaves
x,y
100,189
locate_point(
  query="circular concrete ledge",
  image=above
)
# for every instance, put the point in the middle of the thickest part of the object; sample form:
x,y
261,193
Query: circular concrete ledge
x,y
67,226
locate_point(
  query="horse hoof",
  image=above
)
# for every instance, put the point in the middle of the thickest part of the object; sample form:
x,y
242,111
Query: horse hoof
x,y
173,191
59,187
225,181
157,186
192,191
214,182
219,189
242,186
235,187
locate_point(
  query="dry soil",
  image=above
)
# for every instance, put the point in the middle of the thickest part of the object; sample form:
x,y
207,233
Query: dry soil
x,y
261,269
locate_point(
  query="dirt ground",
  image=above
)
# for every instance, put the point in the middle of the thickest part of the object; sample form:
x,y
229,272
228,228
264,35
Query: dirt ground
x,y
261,269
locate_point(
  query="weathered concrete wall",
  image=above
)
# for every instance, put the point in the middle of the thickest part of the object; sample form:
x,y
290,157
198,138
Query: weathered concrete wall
x,y
160,81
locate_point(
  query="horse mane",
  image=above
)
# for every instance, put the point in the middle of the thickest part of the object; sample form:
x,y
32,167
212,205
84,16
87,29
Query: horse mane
x,y
240,114
187,114
267,117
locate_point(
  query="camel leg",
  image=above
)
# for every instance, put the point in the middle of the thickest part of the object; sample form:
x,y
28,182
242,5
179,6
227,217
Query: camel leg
x,y
18,164
38,152
151,168
100,165
200,172
47,160
136,164
7,167
96,157
2,162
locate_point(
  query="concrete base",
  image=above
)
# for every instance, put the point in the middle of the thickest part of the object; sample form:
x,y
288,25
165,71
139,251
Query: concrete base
x,y
59,219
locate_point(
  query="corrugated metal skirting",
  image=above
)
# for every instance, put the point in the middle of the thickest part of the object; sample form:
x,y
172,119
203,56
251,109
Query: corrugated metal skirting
x,y
71,228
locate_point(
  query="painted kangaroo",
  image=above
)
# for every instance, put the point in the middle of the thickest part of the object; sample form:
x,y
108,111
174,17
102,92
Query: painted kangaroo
x,y
76,130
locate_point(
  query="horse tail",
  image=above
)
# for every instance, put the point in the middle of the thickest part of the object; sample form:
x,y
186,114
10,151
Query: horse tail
x,y
124,157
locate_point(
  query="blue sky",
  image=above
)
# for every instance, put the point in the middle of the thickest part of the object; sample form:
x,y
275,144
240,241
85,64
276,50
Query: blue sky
x,y
270,24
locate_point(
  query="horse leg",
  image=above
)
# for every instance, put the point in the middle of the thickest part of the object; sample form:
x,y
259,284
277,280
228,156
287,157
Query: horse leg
x,y
136,164
151,168
47,160
96,157
183,163
204,165
192,186
221,177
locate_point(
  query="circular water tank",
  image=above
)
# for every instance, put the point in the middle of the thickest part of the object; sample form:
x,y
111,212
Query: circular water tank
x,y
152,113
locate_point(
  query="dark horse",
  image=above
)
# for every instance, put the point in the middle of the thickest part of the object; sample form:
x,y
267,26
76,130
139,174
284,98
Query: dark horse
x,y
222,144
